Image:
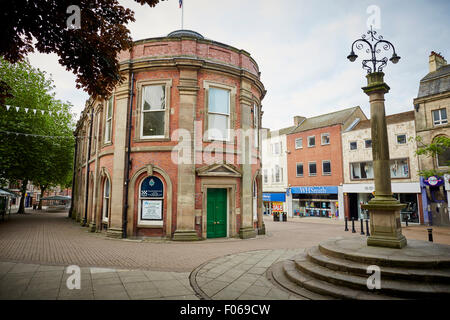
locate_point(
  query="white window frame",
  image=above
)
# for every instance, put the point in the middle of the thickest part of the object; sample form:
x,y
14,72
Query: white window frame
x,y
296,145
321,139
309,145
441,121
265,176
106,201
278,172
219,113
147,111
108,120
323,171
274,148
296,169
309,169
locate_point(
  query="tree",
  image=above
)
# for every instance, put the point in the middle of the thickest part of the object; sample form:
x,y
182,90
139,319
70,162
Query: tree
x,y
90,52
440,147
35,147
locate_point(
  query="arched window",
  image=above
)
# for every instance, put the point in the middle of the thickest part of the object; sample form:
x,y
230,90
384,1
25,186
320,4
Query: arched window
x,y
151,199
106,194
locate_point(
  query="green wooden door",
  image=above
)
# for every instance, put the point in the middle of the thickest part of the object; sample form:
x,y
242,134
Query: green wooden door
x,y
216,221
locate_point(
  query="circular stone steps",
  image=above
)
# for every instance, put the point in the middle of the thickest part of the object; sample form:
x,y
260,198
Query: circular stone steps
x,y
337,268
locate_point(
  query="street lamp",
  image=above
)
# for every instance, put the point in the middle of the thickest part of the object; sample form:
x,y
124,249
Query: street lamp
x,y
384,209
371,45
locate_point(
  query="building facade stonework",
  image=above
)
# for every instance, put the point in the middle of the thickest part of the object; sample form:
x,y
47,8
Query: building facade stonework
x,y
432,107
187,164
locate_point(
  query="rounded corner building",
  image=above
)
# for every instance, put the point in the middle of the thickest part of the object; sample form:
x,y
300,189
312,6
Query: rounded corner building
x,y
175,151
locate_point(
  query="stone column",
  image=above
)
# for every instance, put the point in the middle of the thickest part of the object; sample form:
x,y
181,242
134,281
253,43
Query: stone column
x,y
119,137
385,225
246,231
188,89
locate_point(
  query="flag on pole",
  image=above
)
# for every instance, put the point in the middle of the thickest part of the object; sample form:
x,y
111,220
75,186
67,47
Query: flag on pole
x,y
181,3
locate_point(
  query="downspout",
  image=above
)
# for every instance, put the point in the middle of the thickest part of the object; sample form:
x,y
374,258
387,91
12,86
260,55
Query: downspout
x,y
128,160
87,169
73,176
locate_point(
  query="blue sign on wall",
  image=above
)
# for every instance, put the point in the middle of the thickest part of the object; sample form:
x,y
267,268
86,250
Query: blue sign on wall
x,y
314,190
152,187
274,197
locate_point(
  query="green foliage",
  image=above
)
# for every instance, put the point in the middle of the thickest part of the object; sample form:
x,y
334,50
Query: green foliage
x,y
439,145
44,161
90,52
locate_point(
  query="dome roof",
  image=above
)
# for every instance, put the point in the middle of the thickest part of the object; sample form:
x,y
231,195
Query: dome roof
x,y
185,33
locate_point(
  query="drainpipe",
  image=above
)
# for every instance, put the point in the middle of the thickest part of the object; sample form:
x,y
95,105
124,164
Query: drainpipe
x,y
73,176
87,169
128,161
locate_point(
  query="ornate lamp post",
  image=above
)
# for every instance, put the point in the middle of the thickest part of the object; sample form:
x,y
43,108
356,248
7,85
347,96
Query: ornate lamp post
x,y
384,209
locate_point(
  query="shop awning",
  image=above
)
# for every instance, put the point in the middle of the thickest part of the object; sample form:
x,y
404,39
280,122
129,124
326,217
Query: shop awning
x,y
315,190
274,197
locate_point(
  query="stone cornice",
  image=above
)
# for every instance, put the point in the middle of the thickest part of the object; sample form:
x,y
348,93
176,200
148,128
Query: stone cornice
x,y
433,97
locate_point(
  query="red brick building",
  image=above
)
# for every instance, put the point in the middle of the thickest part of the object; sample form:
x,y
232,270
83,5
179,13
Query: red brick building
x,y
314,161
194,154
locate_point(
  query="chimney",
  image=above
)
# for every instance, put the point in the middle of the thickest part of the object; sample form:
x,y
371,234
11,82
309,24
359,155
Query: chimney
x,y
298,120
436,61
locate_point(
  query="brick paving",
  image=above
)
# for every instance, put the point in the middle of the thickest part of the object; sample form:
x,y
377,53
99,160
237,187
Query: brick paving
x,y
50,238
35,249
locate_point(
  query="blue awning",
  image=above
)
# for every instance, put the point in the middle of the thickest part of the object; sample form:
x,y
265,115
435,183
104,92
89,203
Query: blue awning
x,y
274,197
315,190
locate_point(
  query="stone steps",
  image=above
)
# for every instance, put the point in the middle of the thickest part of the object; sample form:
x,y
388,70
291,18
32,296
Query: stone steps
x,y
337,269
357,268
397,288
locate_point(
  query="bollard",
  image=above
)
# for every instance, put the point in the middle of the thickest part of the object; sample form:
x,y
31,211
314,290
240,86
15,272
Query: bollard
x,y
353,225
430,234
367,228
362,227
346,225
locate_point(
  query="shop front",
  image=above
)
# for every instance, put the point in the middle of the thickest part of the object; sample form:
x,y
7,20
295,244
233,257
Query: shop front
x,y
274,202
318,201
354,195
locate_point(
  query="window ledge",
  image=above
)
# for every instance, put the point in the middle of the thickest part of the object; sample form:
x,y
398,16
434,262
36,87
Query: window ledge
x,y
163,139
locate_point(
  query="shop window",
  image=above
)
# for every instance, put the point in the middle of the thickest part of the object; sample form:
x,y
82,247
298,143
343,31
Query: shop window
x,y
325,138
312,141
299,143
326,167
368,143
361,170
312,169
151,196
153,111
440,117
106,196
399,168
218,114
108,119
401,138
353,145
299,169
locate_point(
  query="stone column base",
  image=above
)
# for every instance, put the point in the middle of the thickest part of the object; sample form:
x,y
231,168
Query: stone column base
x,y
385,225
247,233
185,235
114,233
92,227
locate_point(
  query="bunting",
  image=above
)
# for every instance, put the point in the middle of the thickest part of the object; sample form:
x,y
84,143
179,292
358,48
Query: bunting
x,y
33,110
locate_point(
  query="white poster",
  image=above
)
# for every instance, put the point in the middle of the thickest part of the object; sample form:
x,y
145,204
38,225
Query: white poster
x,y
151,210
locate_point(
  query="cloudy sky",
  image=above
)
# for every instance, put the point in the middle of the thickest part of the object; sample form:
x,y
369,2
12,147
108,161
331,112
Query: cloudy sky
x,y
300,47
